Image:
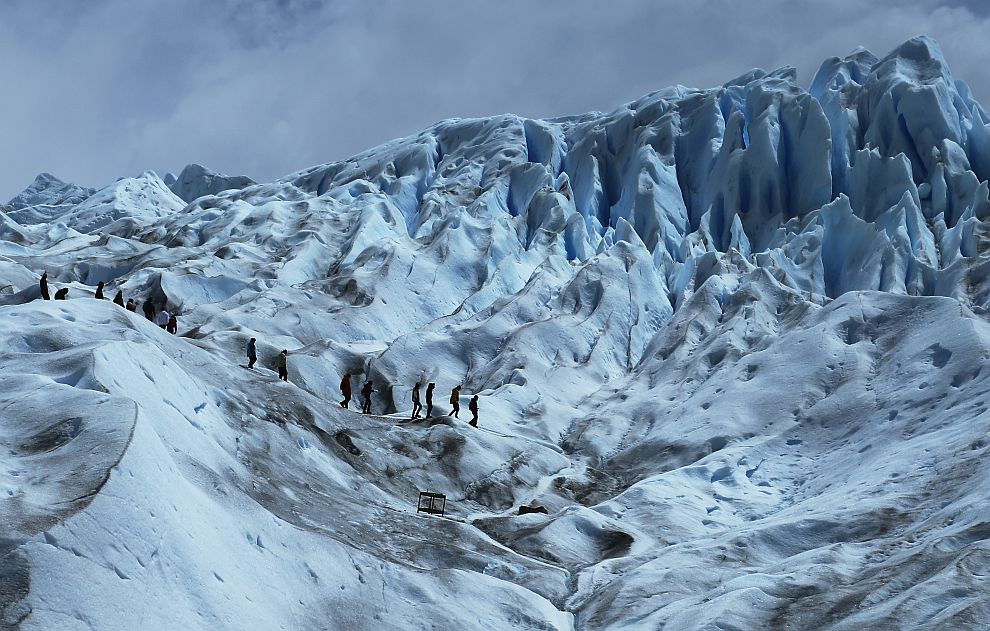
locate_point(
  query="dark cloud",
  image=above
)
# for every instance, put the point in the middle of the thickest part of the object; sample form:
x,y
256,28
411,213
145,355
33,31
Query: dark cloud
x,y
978,7
100,89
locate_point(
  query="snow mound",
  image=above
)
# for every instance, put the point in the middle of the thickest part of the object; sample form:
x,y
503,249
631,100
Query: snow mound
x,y
45,199
118,209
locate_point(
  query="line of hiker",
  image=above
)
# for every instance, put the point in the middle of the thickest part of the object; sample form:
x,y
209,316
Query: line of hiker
x,y
369,387
168,321
162,318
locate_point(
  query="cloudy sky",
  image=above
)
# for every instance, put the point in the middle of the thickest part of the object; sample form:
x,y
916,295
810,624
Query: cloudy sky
x,y
106,88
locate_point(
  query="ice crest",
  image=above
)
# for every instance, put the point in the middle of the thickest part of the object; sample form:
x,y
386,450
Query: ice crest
x,y
195,181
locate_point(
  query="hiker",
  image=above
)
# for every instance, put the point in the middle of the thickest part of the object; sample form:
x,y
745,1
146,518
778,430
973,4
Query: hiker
x,y
252,353
455,401
163,317
44,286
429,399
99,290
173,324
131,305
283,369
61,294
366,391
417,407
149,309
473,406
119,299
345,389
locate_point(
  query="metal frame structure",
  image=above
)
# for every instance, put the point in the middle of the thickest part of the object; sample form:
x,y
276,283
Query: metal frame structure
x,y
431,503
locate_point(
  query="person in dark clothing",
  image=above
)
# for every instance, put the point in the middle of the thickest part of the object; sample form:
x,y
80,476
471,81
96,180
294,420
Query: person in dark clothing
x,y
149,309
131,305
44,286
283,368
473,406
119,299
173,324
417,407
455,401
252,353
429,399
99,290
366,391
62,294
345,389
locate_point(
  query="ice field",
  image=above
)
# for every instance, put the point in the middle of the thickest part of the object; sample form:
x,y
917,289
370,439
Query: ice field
x,y
733,340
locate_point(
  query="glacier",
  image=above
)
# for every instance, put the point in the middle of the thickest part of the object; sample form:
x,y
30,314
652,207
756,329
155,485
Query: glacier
x,y
731,339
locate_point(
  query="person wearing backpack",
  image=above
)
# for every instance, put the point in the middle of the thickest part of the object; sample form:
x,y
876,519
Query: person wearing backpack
x,y
252,353
345,389
455,401
429,399
417,406
366,391
473,406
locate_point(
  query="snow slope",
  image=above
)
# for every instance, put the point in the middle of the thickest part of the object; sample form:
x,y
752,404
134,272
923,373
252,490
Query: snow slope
x,y
731,339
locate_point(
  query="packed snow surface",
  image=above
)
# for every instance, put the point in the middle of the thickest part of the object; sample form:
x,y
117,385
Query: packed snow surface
x,y
732,341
